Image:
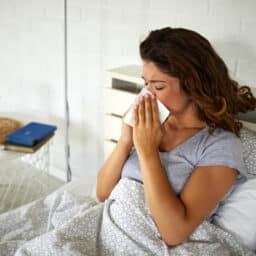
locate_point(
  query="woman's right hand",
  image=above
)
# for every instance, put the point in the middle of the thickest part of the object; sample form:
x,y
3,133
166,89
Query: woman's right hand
x,y
126,133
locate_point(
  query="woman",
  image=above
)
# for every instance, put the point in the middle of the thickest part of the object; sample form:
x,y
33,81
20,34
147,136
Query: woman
x,y
193,161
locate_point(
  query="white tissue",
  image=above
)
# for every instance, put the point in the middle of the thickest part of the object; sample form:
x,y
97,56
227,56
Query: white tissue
x,y
163,111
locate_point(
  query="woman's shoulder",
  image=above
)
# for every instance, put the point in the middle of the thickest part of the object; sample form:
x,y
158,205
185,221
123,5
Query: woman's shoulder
x,y
219,137
220,146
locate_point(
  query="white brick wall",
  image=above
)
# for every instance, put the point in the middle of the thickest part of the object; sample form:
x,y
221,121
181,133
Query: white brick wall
x,y
102,34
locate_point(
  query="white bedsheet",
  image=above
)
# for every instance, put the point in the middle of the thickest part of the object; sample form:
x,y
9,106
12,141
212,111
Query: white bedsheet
x,y
66,223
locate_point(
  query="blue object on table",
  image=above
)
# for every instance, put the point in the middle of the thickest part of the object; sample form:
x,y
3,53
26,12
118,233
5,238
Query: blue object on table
x,y
30,134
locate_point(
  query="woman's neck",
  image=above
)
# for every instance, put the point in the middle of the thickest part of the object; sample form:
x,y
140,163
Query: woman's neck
x,y
187,119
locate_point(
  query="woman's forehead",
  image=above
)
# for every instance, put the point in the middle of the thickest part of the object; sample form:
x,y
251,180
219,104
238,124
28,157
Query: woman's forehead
x,y
151,72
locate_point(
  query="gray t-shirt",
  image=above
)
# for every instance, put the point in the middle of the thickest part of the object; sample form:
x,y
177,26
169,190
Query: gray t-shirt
x,y
203,149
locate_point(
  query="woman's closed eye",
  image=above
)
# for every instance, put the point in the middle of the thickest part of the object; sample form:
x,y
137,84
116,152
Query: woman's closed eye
x,y
155,86
158,88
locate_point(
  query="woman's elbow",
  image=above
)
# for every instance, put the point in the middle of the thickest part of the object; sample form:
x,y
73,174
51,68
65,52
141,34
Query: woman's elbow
x,y
101,199
172,243
174,240
101,196
100,192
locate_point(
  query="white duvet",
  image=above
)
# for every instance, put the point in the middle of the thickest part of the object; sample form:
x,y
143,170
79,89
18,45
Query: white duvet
x,y
67,224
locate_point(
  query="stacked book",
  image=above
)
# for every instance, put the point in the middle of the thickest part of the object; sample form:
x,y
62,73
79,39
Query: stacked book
x,y
30,137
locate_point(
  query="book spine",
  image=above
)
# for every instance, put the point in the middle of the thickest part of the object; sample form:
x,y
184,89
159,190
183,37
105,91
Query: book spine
x,y
21,141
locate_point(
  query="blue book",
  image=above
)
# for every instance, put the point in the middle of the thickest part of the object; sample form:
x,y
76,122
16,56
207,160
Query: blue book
x,y
30,134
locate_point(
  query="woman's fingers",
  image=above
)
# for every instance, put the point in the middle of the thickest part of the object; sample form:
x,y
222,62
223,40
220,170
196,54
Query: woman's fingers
x,y
155,112
148,110
141,111
135,115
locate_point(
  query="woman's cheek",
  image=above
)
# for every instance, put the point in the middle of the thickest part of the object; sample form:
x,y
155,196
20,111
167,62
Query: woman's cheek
x,y
164,100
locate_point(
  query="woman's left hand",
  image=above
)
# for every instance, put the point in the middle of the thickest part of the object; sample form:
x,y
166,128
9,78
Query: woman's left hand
x,y
147,130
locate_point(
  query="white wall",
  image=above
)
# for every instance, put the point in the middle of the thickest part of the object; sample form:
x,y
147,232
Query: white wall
x,y
102,34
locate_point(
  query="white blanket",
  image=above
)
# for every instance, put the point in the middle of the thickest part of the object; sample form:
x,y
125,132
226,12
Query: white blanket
x,y
67,224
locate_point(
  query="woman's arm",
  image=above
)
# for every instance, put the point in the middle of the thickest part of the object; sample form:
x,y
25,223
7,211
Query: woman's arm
x,y
175,216
110,172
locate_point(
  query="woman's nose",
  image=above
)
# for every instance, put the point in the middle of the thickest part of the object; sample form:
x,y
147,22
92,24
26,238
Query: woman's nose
x,y
149,88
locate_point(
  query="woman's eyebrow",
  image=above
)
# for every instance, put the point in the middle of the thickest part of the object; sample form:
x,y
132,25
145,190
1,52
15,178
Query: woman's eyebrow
x,y
155,81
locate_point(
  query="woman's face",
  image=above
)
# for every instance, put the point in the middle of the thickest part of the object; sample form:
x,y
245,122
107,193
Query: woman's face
x,y
166,88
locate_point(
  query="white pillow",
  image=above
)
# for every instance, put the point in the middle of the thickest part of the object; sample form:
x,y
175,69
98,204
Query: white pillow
x,y
238,214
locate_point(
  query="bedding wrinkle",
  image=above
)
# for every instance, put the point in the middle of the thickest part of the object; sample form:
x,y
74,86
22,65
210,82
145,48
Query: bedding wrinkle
x,y
122,226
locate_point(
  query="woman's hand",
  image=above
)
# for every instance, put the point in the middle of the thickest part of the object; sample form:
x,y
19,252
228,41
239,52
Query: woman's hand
x,y
147,131
126,133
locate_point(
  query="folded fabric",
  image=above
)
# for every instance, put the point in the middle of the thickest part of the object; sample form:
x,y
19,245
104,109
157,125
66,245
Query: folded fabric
x,y
30,134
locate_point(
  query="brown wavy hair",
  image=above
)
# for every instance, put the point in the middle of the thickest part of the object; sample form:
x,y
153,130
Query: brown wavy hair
x,y
202,73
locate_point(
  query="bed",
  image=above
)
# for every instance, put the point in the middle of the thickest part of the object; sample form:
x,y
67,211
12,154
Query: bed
x,y
70,221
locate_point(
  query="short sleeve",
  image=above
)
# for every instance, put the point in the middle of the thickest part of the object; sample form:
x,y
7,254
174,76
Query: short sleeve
x,y
222,148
